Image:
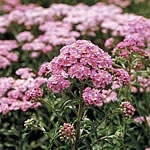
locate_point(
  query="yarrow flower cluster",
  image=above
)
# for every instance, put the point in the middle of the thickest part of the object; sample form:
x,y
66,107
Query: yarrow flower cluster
x,y
18,94
75,61
83,60
61,24
67,132
143,84
122,76
25,36
6,54
34,94
127,109
25,73
92,97
57,83
122,3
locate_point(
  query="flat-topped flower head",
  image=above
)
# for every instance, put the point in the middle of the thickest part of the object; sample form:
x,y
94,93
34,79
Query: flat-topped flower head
x,y
81,60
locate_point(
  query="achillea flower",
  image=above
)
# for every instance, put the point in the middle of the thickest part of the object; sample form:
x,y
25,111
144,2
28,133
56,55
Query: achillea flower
x,y
9,104
44,69
25,36
121,3
79,71
109,96
81,60
109,43
127,109
92,97
16,94
67,132
122,76
20,93
101,78
33,94
57,83
33,46
47,49
35,54
25,73
139,119
5,84
4,62
12,57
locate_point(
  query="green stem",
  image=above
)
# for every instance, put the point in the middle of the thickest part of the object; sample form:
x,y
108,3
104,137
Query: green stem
x,y
99,123
60,118
78,126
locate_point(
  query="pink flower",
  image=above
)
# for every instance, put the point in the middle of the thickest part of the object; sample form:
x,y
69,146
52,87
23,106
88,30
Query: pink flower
x,y
33,94
25,73
109,43
57,83
127,108
12,57
122,76
92,97
79,71
47,49
34,54
109,96
25,36
44,69
4,62
16,94
139,119
101,78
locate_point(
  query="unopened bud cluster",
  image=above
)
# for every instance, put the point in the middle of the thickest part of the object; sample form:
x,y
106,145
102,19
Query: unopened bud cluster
x,y
29,123
67,132
127,109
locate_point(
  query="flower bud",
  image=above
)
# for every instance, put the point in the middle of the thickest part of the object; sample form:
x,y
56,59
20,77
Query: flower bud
x,y
127,109
67,132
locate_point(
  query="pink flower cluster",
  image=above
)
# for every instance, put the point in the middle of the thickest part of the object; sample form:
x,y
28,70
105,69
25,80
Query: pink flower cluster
x,y
61,24
25,73
127,109
92,97
144,85
25,36
132,44
121,3
6,54
80,60
141,119
9,5
136,31
83,60
122,76
33,94
109,96
16,93
57,83
109,43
